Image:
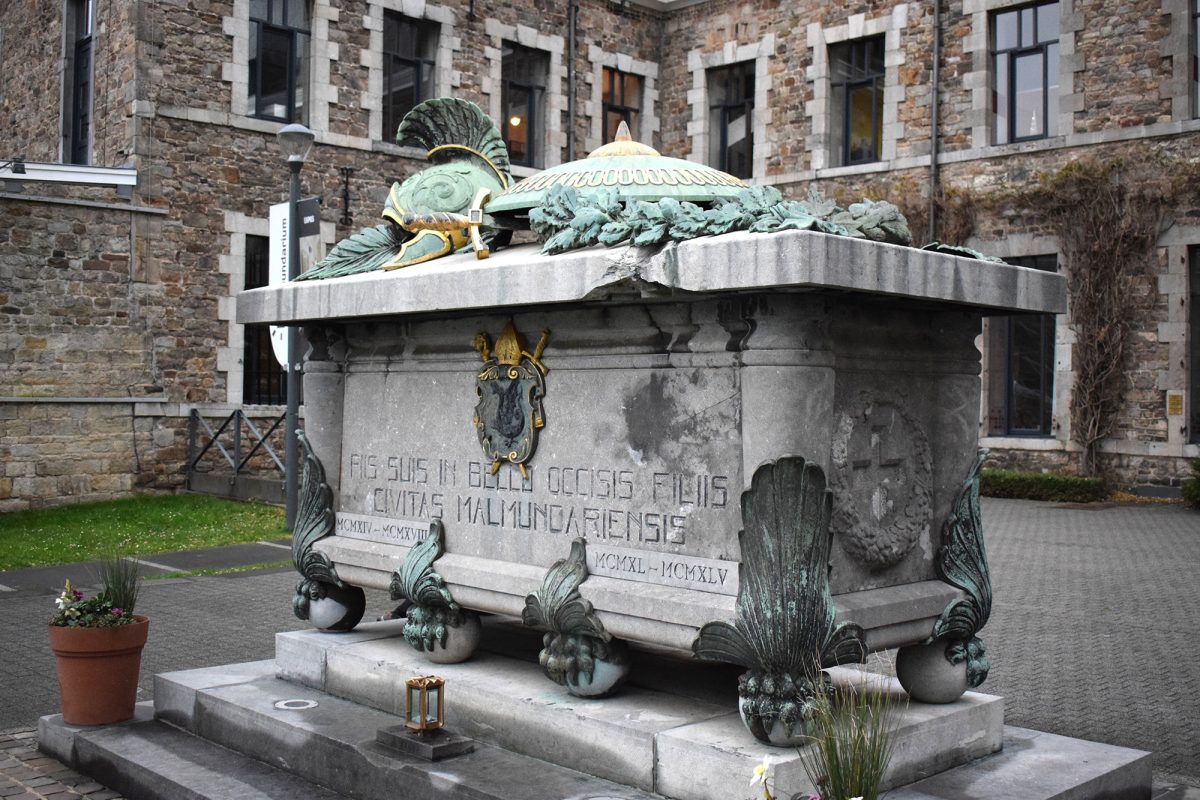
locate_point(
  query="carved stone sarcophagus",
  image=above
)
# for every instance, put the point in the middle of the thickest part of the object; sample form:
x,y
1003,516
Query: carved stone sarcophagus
x,y
663,381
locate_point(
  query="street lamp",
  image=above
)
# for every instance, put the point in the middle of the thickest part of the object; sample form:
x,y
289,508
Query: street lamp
x,y
295,140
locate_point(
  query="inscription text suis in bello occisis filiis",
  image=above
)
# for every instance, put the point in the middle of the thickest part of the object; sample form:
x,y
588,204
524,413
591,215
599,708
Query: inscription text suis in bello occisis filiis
x,y
632,505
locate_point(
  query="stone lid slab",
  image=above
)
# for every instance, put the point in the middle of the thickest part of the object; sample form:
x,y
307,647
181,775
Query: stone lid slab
x,y
736,262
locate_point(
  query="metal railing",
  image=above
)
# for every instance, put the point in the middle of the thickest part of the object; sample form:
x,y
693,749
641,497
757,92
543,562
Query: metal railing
x,y
199,428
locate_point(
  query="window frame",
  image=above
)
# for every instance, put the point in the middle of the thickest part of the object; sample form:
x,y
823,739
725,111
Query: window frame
x,y
535,104
1047,340
79,82
615,77
877,83
427,34
1193,342
264,381
731,71
1011,56
254,68
1194,58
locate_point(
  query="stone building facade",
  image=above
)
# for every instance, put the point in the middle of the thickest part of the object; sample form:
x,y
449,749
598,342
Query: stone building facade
x,y
148,132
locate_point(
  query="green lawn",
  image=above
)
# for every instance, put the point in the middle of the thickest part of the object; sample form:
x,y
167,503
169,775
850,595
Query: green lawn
x,y
137,526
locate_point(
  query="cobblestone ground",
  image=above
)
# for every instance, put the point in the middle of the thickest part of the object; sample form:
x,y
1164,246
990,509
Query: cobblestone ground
x,y
1094,633
26,774
1096,624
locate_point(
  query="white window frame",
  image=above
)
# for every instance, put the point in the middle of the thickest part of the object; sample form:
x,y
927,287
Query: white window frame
x,y
322,53
554,135
445,78
233,264
648,125
699,63
1180,46
820,108
1017,245
978,47
67,98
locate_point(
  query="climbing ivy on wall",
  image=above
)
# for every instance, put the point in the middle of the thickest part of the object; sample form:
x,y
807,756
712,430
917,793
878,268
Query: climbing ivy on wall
x,y
1107,216
1107,213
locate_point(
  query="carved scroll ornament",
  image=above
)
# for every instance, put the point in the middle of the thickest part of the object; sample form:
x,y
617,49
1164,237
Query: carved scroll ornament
x,y
962,562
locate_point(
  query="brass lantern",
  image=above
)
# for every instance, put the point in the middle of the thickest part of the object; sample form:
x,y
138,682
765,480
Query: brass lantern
x,y
423,707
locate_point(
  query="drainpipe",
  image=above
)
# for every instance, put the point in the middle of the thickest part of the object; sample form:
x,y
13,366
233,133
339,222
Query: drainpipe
x,y
572,14
933,119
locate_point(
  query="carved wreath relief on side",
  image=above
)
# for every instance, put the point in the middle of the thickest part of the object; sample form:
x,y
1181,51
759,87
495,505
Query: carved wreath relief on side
x,y
882,478
510,388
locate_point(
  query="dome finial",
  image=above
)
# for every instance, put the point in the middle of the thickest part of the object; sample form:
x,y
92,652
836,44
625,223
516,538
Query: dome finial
x,y
623,145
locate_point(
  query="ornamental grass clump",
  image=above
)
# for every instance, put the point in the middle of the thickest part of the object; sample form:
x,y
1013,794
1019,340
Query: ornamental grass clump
x,y
852,731
121,580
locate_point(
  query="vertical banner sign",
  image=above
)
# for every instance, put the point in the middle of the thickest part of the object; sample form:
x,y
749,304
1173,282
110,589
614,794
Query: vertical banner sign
x,y
309,212
277,274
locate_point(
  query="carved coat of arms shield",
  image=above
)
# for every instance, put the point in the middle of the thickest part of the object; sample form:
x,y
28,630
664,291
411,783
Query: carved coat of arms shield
x,y
510,388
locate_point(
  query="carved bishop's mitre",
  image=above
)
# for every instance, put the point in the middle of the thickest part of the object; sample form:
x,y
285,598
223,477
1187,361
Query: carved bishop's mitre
x,y
509,345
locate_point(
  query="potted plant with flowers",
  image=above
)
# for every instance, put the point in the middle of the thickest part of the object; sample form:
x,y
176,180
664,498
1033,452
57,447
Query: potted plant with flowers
x,y
97,643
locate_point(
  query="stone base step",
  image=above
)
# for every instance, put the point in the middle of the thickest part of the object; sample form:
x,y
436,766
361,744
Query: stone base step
x,y
322,753
149,759
534,740
682,745
1042,766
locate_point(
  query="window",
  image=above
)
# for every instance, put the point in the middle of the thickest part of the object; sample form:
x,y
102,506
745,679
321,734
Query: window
x,y
77,88
523,72
263,379
621,99
731,103
1021,367
408,55
1025,73
856,73
1195,37
279,43
1194,340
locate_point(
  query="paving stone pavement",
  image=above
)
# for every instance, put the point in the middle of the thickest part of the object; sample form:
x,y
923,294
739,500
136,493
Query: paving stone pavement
x,y
26,774
1094,634
1096,624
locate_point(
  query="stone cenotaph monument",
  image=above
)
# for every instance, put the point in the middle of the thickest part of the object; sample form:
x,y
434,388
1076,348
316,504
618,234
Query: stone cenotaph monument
x,y
637,490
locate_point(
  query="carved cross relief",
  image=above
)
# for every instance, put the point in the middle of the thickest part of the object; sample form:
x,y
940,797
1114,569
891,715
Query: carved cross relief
x,y
877,457
881,474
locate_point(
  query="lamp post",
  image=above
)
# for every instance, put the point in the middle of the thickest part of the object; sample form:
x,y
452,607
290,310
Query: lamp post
x,y
295,140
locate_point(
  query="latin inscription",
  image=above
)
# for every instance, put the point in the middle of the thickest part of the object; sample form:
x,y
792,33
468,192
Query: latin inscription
x,y
406,532
687,572
645,509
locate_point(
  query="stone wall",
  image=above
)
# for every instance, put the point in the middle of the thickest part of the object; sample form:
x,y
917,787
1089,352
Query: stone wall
x,y
1122,470
75,312
30,87
80,321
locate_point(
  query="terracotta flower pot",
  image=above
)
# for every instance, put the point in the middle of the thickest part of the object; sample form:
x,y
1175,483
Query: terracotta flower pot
x,y
98,671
